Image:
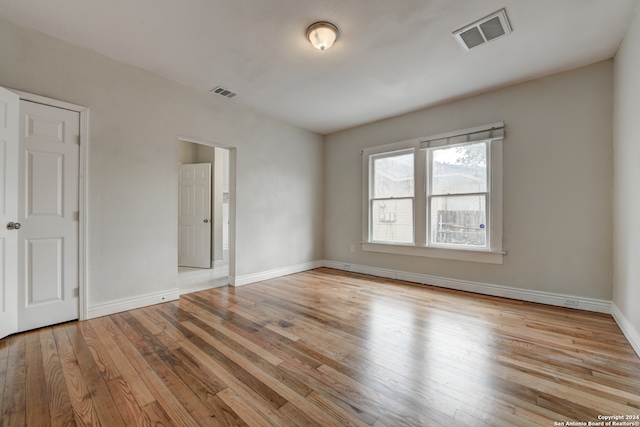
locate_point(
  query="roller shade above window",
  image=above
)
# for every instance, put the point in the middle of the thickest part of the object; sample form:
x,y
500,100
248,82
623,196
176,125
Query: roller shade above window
x,y
482,133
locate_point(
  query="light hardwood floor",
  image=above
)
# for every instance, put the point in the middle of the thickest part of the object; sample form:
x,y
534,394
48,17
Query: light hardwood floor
x,y
323,348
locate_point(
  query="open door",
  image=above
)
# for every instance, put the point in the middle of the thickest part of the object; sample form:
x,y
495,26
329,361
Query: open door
x,y
48,209
194,216
9,126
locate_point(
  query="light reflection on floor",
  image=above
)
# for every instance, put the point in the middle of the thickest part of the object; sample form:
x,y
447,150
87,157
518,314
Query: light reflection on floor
x,y
439,351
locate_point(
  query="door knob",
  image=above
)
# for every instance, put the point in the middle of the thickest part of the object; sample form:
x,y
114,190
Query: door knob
x,y
14,226
206,221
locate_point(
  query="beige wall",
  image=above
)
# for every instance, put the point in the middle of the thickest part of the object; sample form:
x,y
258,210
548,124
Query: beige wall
x,y
557,183
136,119
187,152
557,187
626,131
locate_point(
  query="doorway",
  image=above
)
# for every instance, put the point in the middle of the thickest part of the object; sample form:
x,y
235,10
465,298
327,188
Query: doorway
x,y
204,215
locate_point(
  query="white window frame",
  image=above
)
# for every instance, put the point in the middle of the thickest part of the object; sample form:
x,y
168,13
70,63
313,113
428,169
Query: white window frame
x,y
430,196
372,199
423,147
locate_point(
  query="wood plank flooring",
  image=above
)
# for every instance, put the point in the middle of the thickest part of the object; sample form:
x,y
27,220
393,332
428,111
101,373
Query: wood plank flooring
x,y
323,348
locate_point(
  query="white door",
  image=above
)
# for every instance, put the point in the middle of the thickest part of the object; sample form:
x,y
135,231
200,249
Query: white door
x,y
194,216
48,210
9,120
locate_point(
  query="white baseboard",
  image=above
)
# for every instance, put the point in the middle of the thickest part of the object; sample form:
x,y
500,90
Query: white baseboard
x,y
118,306
632,334
589,304
271,274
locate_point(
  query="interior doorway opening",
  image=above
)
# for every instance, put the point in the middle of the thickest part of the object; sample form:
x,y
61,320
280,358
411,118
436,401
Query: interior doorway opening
x,y
205,240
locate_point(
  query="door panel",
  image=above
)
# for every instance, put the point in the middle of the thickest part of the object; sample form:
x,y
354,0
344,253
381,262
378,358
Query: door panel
x,y
9,123
48,210
45,188
44,269
45,128
194,222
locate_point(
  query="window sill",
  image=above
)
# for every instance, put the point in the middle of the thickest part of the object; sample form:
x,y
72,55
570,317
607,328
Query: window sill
x,y
431,252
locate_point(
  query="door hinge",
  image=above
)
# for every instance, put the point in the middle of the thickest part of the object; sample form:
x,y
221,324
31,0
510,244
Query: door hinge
x,y
78,139
76,292
76,216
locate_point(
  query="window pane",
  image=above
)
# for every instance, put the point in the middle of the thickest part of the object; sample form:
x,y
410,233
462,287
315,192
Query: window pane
x,y
393,176
392,221
461,169
459,220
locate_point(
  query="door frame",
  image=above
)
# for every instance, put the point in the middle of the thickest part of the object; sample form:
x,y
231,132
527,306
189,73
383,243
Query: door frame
x,y
232,199
83,181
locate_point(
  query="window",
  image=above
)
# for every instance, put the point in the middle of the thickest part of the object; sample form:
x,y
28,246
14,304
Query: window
x,y
393,194
439,196
458,195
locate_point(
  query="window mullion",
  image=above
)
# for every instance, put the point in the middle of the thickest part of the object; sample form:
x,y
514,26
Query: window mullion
x,y
477,193
420,205
392,198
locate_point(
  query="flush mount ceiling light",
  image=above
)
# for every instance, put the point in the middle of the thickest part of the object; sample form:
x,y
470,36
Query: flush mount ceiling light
x,y
322,35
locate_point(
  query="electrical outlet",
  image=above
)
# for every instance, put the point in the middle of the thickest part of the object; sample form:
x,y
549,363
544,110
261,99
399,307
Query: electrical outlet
x,y
353,248
571,303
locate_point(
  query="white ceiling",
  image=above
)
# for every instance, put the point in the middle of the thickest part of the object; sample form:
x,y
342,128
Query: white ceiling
x,y
392,57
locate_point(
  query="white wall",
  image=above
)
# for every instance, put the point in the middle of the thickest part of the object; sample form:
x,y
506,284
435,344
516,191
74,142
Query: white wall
x,y
558,174
626,131
136,118
557,184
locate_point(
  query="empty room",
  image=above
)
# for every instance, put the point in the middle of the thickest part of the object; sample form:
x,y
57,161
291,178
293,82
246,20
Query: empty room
x,y
329,213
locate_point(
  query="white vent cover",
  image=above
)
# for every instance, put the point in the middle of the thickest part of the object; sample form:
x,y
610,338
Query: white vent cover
x,y
487,29
219,90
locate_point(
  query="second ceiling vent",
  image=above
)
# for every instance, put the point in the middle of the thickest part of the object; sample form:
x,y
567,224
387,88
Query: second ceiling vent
x,y
219,90
487,29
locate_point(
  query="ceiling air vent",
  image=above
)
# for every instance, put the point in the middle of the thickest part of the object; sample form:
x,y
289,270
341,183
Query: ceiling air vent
x,y
483,31
219,90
